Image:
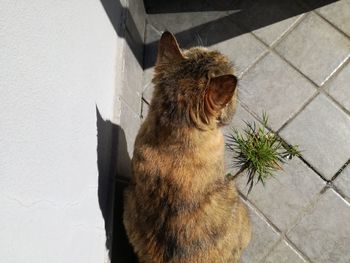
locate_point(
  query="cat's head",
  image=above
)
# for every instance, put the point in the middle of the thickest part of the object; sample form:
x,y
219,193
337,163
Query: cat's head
x,y
194,87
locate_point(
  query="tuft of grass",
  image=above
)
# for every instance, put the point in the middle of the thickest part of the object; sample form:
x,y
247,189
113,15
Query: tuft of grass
x,y
259,152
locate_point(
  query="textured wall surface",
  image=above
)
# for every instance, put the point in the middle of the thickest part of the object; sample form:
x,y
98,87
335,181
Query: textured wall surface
x,y
59,62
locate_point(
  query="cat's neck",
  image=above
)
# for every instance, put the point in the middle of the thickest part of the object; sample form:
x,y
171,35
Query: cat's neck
x,y
183,136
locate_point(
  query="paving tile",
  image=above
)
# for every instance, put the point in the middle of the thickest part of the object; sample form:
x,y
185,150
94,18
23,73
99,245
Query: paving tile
x,y
324,233
339,87
338,14
275,87
131,91
271,33
242,49
315,48
343,181
269,20
130,122
241,115
284,197
263,239
323,132
284,253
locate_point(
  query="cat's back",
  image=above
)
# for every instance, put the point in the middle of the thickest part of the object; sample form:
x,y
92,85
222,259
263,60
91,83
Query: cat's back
x,y
179,207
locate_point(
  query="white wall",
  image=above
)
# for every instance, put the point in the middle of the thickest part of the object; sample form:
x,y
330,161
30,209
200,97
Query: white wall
x,y
58,59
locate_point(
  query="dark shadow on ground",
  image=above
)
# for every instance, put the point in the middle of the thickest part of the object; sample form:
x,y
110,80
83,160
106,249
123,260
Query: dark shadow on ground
x,y
111,151
181,6
249,15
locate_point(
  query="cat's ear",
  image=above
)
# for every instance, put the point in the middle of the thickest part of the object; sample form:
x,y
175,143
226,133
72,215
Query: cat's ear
x,y
220,91
168,50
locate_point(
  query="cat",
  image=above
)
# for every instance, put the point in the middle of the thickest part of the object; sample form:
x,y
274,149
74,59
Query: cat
x,y
179,207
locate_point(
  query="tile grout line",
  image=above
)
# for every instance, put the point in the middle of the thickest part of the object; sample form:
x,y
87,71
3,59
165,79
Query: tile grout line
x,y
317,13
313,169
307,209
274,227
262,260
345,110
294,67
341,194
268,47
282,234
323,88
286,33
304,211
295,114
265,218
297,250
340,170
335,71
255,62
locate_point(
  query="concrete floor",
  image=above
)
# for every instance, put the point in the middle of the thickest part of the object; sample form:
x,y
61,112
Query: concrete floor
x,y
292,60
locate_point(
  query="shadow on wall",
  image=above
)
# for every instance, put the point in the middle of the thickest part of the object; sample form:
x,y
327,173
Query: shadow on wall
x,y
113,159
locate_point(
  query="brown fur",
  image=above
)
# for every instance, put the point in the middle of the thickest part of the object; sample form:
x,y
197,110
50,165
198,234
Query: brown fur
x,y
179,207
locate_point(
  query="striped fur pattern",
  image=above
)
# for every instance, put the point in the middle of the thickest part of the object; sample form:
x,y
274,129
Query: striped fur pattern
x,y
179,207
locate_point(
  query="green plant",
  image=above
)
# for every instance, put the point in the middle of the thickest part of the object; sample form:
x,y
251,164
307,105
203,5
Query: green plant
x,y
258,152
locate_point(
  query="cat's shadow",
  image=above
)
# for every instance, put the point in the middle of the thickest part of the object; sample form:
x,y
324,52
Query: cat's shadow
x,y
113,159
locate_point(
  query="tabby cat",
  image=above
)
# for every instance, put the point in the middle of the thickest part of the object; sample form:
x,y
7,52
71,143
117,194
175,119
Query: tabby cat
x,y
179,207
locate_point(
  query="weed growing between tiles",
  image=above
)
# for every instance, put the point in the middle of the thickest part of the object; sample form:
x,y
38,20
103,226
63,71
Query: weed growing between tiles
x,y
258,152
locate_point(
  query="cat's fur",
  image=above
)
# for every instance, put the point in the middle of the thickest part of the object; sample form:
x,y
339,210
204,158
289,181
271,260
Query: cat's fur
x,y
179,207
